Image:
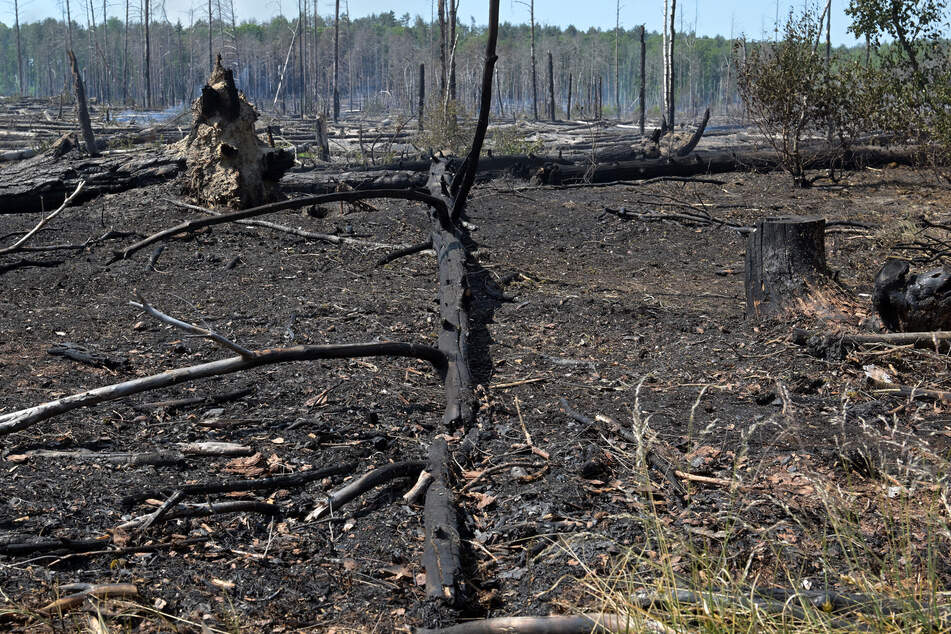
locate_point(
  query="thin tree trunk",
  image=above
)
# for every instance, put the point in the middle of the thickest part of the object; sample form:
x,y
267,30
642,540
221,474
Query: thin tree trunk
x,y
148,56
422,94
642,97
81,110
531,11
570,81
664,54
617,60
125,58
443,72
211,57
16,18
671,100
551,89
336,61
453,10
316,77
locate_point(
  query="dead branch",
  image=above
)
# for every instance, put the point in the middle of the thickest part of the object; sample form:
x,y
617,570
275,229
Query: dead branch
x,y
194,401
691,143
442,211
116,458
23,263
21,419
261,484
201,332
101,591
89,547
16,246
592,623
410,250
364,483
142,524
310,235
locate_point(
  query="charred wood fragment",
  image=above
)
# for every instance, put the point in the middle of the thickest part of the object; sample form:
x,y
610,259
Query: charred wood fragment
x,y
912,301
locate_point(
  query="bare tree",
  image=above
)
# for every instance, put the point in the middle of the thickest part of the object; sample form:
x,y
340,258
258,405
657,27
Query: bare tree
x,y
336,61
531,13
617,59
16,18
642,97
444,73
148,53
670,10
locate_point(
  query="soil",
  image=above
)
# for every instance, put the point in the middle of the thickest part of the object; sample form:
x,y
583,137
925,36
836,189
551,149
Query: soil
x,y
639,321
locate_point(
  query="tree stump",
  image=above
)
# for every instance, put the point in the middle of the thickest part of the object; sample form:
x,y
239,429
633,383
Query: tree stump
x,y
227,165
785,260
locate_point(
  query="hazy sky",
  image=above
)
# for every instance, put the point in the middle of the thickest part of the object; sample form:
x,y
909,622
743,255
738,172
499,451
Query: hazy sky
x,y
752,17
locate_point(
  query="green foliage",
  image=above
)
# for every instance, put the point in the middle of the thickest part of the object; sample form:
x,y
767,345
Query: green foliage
x,y
445,128
911,78
792,91
508,140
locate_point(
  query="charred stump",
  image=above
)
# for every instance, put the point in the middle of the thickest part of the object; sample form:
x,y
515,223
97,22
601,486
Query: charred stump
x,y
226,164
785,261
82,112
912,303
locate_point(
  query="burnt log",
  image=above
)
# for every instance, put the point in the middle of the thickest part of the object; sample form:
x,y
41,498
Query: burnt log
x,y
785,261
908,302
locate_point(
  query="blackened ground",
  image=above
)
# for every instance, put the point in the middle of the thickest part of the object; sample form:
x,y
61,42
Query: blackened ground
x,y
634,320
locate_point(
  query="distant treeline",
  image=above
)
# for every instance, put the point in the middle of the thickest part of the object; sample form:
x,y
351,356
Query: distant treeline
x,y
379,62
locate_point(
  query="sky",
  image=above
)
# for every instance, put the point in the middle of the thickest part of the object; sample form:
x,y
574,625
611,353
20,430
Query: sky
x,y
754,18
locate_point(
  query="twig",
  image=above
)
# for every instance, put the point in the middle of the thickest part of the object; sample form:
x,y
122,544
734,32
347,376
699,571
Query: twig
x,y
593,623
201,332
42,223
363,484
142,524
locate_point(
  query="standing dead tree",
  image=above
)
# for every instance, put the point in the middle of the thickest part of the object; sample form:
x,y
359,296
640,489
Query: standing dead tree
x,y
81,110
446,195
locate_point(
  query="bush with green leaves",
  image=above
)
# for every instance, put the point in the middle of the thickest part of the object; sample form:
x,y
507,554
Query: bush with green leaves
x,y
792,91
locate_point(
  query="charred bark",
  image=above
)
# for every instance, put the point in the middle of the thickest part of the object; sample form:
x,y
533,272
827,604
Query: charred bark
x,y
785,261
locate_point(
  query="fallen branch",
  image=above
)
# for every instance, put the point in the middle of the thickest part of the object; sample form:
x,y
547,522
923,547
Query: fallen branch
x,y
21,419
42,223
261,484
194,401
442,545
310,235
411,250
102,591
835,345
592,623
361,485
439,205
122,458
201,332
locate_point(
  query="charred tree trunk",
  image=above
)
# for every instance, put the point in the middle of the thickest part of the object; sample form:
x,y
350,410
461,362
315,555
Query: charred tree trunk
x,y
642,96
16,19
148,57
912,303
531,16
81,110
551,89
336,61
568,109
785,261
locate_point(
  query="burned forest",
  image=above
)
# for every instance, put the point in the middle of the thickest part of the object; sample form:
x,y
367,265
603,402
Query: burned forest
x,y
360,324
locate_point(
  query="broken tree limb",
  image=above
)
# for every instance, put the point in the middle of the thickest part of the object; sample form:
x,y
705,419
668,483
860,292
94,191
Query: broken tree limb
x,y
21,419
212,508
17,246
116,458
261,484
441,549
836,345
361,485
438,204
593,623
691,143
101,591
195,330
310,235
194,401
401,253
